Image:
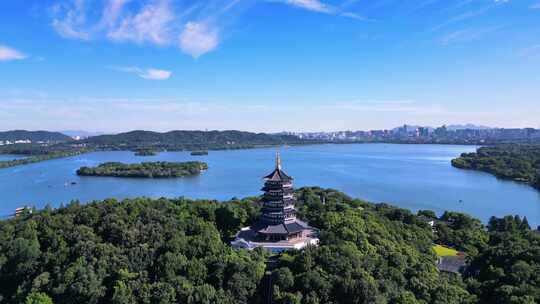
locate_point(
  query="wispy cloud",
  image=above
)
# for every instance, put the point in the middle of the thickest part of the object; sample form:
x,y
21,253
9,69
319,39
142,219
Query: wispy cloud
x,y
466,35
375,106
151,73
7,54
464,16
151,24
321,7
71,17
535,6
164,114
532,51
111,13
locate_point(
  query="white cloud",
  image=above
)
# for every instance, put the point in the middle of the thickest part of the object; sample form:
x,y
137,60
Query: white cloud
x,y
151,73
312,5
198,39
152,23
7,54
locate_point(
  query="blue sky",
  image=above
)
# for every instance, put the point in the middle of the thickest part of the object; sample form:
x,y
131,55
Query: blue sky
x,y
268,65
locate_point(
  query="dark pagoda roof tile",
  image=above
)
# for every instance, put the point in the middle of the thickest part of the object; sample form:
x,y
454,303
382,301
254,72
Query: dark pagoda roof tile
x,y
284,228
278,175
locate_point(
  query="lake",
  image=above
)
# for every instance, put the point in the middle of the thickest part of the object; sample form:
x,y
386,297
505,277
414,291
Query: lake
x,y
4,157
410,176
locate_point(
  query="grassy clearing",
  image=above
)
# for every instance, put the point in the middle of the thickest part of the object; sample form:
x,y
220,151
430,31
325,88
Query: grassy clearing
x,y
444,251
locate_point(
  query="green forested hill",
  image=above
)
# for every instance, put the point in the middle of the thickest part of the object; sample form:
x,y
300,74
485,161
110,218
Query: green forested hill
x,y
516,162
34,136
176,251
189,140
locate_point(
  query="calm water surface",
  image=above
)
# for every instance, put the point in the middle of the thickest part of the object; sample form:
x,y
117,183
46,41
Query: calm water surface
x,y
4,157
409,176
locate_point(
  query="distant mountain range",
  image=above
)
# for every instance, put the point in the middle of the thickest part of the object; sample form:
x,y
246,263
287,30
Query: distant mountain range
x,y
467,126
189,140
34,136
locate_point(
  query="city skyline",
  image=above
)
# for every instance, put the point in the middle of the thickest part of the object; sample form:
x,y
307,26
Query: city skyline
x,y
268,66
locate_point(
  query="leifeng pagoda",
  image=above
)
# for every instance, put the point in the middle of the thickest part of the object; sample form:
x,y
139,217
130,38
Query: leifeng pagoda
x,y
278,228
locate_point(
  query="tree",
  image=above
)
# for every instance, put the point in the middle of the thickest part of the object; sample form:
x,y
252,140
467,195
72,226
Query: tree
x,y
122,294
38,298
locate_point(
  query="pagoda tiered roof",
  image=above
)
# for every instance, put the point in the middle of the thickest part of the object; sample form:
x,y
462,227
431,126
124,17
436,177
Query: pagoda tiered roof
x,y
278,176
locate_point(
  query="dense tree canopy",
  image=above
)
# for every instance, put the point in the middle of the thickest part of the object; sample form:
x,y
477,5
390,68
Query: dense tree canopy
x,y
461,231
508,269
146,169
513,161
176,251
135,251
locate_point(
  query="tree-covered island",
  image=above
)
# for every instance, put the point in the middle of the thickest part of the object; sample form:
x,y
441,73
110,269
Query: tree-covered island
x,y
176,251
145,152
516,162
145,169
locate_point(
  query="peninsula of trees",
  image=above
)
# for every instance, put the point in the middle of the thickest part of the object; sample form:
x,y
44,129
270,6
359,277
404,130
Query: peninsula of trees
x,y
145,169
176,251
38,158
516,162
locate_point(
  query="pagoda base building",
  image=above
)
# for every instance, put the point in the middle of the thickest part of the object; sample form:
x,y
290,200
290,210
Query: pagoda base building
x,y
278,229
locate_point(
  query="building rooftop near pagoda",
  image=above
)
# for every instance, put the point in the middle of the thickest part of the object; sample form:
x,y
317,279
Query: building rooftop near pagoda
x,y
285,228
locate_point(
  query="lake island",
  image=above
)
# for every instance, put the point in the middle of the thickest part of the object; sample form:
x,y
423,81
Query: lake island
x,y
145,170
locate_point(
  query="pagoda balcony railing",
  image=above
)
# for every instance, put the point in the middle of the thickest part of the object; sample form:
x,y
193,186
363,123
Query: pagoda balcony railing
x,y
278,210
275,218
280,183
279,192
279,204
278,196
278,219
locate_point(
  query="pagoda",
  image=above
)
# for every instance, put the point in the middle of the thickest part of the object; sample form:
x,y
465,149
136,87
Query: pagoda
x,y
278,228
